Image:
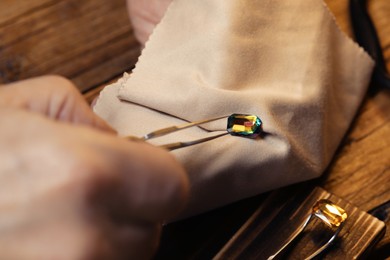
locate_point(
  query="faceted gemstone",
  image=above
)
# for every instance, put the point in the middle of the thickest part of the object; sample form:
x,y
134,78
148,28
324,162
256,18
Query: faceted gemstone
x,y
244,125
330,213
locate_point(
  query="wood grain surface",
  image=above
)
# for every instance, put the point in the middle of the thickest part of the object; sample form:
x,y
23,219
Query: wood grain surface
x,y
91,42
279,217
87,41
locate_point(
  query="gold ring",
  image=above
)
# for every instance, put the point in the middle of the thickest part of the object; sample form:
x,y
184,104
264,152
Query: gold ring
x,y
330,214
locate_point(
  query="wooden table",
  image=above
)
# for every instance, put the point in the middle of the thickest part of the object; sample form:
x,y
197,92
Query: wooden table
x,y
91,42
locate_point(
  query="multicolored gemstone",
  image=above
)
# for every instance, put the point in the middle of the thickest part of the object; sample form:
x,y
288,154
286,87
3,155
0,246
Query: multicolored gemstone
x,y
244,125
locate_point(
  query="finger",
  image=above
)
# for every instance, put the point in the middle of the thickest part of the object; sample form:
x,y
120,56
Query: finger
x,y
156,185
132,241
149,184
99,123
68,105
54,97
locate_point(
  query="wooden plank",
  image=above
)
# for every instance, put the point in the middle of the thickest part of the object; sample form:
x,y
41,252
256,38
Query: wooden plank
x,y
339,9
361,172
88,41
380,13
201,237
10,11
268,229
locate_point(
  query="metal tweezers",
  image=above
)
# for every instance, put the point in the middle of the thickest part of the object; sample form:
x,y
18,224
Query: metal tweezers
x,y
172,129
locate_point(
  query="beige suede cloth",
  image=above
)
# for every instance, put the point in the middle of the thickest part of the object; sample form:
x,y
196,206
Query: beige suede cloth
x,y
285,61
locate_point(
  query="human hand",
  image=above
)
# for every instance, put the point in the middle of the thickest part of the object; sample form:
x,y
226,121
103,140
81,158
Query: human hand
x,y
52,96
145,15
68,191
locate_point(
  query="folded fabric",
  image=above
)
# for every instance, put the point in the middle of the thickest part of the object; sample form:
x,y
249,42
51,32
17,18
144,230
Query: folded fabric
x,y
285,61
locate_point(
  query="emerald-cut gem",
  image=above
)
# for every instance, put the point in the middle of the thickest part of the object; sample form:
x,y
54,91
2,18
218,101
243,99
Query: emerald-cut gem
x,y
244,125
330,213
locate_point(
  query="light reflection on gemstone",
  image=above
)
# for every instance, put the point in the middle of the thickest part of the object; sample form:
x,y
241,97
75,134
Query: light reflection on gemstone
x,y
244,125
330,213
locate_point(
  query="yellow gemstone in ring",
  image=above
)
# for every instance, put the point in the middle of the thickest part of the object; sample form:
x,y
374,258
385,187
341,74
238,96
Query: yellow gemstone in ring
x,y
329,213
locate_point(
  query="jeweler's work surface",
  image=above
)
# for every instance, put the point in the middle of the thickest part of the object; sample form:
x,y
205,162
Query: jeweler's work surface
x,y
268,229
91,42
